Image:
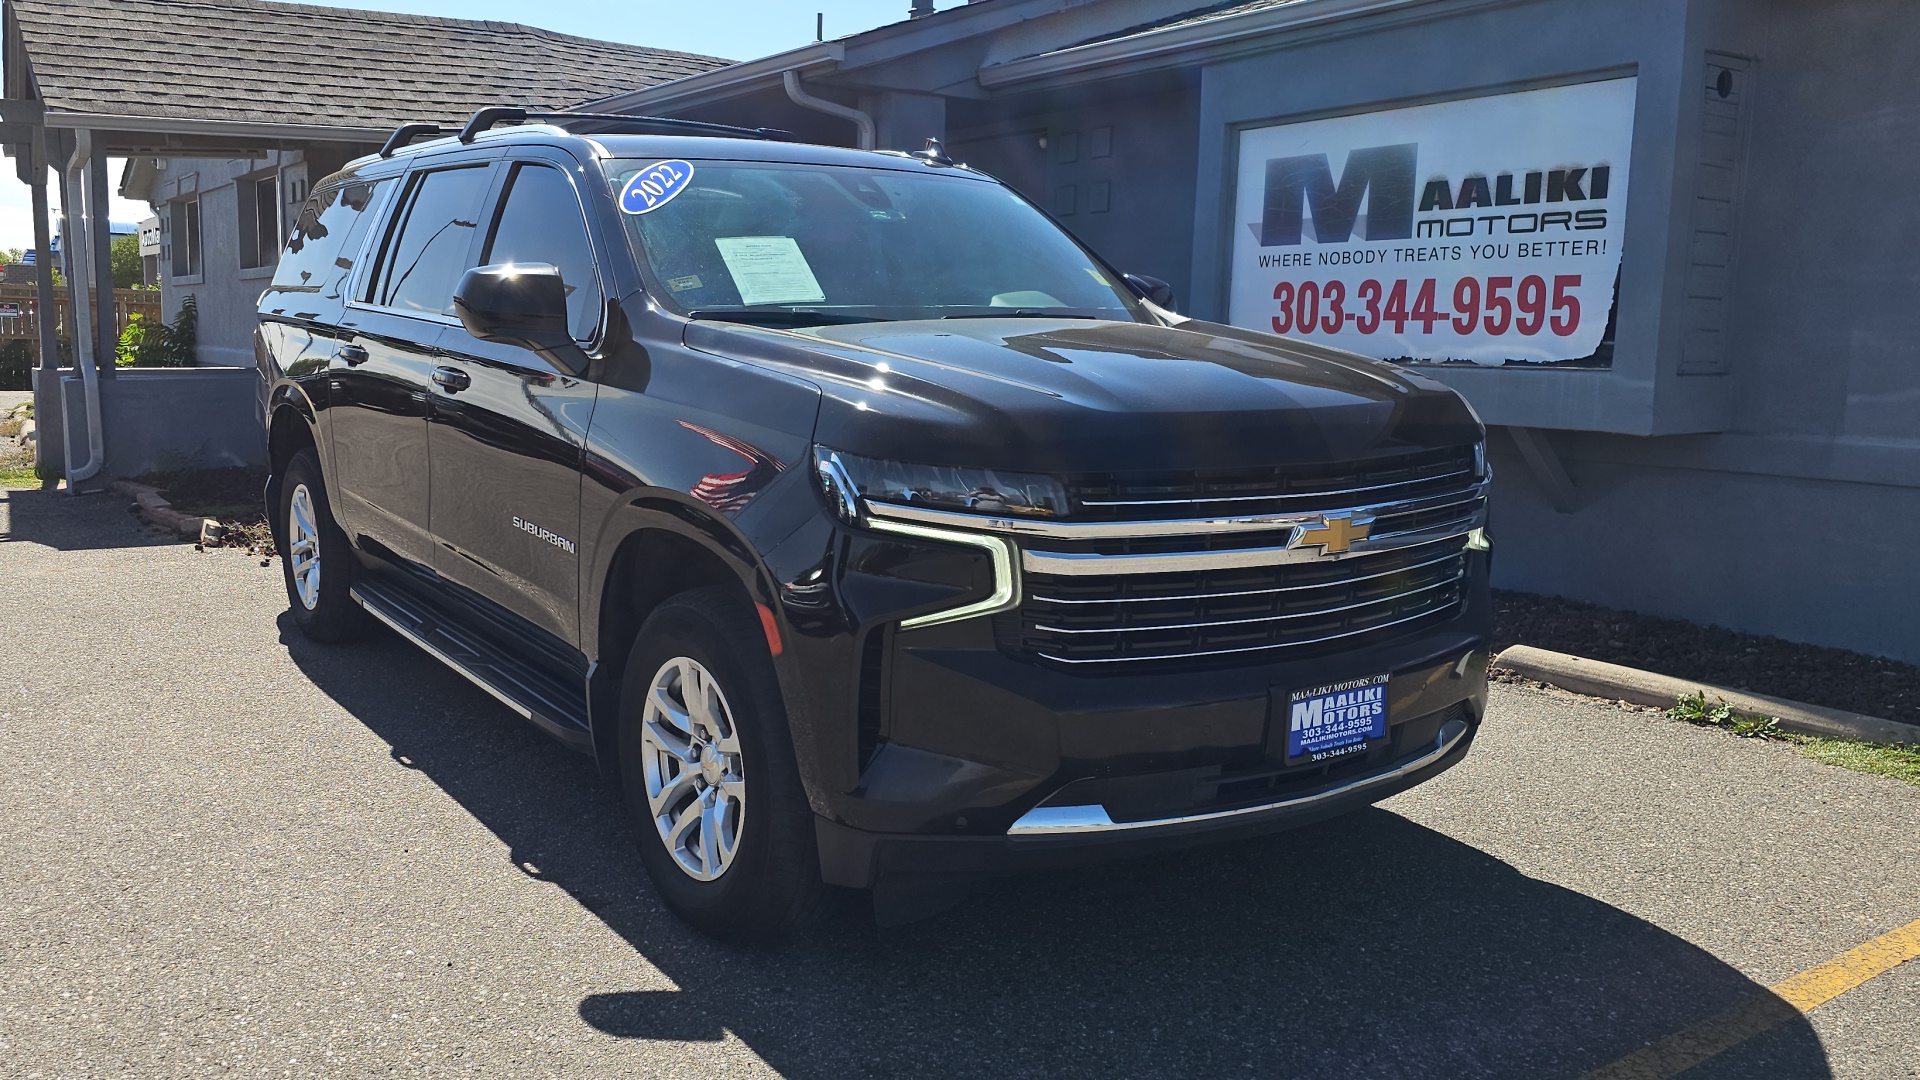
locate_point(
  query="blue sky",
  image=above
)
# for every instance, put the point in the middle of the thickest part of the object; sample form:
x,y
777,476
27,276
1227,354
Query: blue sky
x,y
734,29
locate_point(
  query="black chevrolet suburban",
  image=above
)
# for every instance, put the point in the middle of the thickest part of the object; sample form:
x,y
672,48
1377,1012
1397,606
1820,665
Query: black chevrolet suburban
x,y
865,527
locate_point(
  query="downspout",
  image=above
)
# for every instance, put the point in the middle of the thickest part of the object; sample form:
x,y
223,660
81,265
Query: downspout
x,y
832,108
79,272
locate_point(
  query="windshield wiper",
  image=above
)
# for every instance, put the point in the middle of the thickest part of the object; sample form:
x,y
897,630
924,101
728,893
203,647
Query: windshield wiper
x,y
778,317
1023,313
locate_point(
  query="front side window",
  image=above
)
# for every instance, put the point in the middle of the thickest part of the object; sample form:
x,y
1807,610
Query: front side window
x,y
771,241
426,257
540,222
183,226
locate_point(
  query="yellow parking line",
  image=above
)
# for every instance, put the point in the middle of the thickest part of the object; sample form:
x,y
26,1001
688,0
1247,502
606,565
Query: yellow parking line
x,y
1763,1012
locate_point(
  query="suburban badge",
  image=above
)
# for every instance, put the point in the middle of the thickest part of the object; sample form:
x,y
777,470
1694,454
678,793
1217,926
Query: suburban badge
x,y
553,538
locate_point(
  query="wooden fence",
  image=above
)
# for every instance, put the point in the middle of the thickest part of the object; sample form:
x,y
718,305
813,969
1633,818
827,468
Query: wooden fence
x,y
127,303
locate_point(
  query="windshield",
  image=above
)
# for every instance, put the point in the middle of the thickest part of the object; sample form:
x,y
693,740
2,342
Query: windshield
x,y
792,244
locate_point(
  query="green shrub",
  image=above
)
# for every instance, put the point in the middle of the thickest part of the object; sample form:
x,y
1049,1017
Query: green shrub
x,y
156,344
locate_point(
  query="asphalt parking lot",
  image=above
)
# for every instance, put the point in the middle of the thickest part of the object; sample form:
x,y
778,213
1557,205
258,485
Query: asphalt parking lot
x,y
228,851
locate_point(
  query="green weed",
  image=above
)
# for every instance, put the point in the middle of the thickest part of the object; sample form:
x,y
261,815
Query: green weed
x,y
1898,761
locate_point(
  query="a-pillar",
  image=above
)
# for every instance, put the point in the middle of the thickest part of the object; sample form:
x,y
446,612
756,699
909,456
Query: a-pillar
x,y
905,121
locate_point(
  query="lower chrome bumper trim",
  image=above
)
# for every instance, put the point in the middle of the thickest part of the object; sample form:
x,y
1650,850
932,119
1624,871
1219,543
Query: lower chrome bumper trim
x,y
1076,820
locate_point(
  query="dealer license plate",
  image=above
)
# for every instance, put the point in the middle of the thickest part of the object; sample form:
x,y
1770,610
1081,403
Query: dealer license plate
x,y
1328,721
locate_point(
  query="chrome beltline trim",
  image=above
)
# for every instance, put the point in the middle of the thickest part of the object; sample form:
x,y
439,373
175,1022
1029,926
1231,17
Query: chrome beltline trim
x,y
1081,564
1074,820
1006,571
500,695
1314,614
1106,530
1230,652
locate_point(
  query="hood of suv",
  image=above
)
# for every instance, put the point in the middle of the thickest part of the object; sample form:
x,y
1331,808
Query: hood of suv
x,y
1069,395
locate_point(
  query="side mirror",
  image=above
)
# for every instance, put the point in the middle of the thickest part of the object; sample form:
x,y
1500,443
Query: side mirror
x,y
520,304
1151,289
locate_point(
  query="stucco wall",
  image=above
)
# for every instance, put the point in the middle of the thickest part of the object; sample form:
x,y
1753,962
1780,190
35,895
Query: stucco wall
x,y
158,419
225,292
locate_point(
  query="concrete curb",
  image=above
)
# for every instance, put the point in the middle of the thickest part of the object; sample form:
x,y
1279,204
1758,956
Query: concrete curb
x,y
1617,683
161,513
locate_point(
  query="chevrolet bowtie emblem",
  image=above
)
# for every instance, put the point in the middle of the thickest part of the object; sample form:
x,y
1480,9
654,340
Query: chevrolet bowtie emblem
x,y
1334,535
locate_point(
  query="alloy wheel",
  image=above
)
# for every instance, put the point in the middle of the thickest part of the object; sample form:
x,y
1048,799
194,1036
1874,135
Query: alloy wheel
x,y
690,747
303,546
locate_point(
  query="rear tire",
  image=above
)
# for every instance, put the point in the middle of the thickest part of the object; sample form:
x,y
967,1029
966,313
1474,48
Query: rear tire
x,y
708,772
315,559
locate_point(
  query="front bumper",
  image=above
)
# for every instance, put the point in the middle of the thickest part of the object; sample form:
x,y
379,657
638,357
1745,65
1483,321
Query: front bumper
x,y
986,764
1050,837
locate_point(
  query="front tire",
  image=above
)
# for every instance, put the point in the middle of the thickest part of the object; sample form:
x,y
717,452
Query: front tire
x,y
708,773
314,556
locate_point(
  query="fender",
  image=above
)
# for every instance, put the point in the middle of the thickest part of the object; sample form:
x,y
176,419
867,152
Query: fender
x,y
287,395
663,512
689,522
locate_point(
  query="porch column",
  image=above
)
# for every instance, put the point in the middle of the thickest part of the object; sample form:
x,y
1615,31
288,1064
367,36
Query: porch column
x,y
100,235
47,414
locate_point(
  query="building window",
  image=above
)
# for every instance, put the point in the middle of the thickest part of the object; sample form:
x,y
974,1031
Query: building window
x,y
184,233
259,201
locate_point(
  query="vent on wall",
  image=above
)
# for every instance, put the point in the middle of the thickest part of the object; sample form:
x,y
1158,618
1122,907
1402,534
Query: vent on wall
x,y
1716,188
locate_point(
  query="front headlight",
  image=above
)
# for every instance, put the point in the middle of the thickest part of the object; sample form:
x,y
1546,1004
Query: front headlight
x,y
847,478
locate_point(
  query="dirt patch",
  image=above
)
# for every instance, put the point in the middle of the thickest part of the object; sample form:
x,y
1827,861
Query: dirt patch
x,y
1835,678
231,496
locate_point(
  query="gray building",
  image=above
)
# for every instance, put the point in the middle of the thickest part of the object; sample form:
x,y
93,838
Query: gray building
x,y
226,111
1703,385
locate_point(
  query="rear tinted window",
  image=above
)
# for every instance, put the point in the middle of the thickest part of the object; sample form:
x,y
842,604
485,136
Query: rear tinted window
x,y
425,261
324,242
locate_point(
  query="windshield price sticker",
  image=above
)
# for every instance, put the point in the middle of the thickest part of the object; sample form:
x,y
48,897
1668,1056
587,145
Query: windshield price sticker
x,y
654,187
1486,230
769,270
1329,721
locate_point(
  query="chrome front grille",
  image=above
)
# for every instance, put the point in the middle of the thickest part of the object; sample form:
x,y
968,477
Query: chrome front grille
x,y
1242,573
1108,620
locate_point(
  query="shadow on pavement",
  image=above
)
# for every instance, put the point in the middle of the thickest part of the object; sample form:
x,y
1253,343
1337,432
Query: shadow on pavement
x,y
1368,946
66,522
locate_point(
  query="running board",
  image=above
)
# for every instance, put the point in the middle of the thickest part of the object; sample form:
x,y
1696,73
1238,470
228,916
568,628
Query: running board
x,y
555,707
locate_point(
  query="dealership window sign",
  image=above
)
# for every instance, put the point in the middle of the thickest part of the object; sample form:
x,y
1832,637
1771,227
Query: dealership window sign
x,y
1484,230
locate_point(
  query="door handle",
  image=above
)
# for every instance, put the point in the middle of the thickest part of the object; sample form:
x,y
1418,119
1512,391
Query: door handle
x,y
353,355
451,379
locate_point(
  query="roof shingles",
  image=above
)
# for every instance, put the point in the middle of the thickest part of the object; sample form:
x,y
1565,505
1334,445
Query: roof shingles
x,y
266,62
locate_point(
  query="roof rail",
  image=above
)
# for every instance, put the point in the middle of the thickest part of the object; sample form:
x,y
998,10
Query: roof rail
x,y
510,114
406,133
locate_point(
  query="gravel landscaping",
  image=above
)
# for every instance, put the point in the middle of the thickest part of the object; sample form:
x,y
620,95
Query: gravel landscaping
x,y
1836,678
